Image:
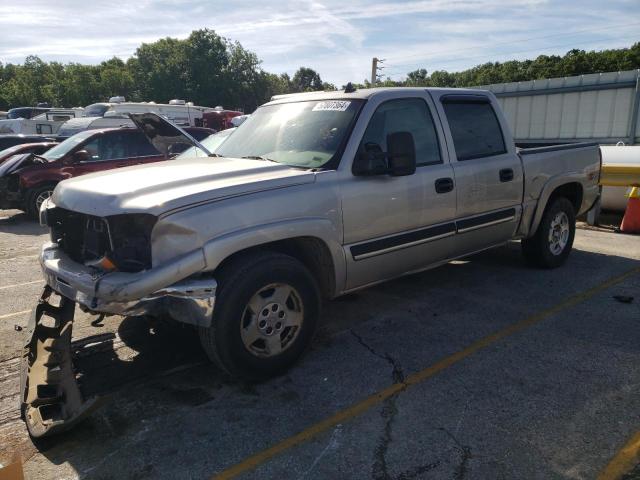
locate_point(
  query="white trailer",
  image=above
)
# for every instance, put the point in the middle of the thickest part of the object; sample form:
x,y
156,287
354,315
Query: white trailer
x,y
114,114
47,123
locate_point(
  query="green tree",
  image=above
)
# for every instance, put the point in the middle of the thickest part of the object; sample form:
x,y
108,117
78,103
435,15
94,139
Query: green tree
x,y
417,78
161,70
306,80
115,78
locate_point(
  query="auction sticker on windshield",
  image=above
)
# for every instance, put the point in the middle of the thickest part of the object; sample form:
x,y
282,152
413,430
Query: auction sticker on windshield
x,y
332,105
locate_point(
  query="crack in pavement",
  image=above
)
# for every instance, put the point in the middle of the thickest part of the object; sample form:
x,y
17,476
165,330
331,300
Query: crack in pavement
x,y
380,469
465,455
396,374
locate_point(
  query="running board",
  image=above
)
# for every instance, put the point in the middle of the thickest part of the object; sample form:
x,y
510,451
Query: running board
x,y
50,399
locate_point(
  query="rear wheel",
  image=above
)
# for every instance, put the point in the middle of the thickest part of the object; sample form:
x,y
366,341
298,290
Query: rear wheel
x,y
552,242
266,312
36,198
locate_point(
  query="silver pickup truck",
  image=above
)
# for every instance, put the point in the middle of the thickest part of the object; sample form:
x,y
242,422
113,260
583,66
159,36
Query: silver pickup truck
x,y
314,196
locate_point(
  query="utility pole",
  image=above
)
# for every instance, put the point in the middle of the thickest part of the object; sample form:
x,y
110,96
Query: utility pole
x,y
374,70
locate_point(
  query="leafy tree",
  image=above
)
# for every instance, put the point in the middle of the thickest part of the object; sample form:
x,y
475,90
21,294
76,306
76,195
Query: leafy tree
x,y
417,78
211,70
306,80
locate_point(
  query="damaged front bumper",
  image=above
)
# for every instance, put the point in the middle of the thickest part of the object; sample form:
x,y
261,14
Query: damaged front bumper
x,y
50,399
169,289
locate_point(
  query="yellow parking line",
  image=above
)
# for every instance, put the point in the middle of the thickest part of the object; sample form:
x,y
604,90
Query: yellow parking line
x,y
14,314
257,459
20,284
627,458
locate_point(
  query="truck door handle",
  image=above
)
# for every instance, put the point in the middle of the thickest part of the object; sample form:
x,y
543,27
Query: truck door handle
x,y
506,175
444,185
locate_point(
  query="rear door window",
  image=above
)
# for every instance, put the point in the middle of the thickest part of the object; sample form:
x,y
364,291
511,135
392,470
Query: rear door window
x,y
474,127
139,146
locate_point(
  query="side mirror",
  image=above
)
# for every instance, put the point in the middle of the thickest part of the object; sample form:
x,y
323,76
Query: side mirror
x,y
371,161
401,154
77,157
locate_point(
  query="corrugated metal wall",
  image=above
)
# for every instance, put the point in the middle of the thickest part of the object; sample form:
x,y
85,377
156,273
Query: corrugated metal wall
x,y
599,107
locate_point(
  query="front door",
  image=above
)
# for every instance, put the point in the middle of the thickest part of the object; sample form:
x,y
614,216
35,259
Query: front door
x,y
393,225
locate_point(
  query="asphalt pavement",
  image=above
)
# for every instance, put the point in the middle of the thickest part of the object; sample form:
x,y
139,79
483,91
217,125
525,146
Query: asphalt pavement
x,y
483,368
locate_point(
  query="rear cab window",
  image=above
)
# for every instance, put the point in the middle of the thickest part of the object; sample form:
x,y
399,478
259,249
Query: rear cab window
x,y
474,126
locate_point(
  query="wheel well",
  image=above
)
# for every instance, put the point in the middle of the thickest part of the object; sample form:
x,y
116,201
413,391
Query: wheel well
x,y
312,252
38,186
572,192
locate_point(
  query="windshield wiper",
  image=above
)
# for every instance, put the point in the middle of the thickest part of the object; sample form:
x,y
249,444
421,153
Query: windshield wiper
x,y
258,157
214,155
41,159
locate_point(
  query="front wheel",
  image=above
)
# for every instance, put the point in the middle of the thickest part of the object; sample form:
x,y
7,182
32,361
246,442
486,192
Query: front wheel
x,y
266,312
552,242
36,198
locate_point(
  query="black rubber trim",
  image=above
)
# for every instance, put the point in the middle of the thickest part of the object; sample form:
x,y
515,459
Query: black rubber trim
x,y
554,148
488,218
465,98
402,239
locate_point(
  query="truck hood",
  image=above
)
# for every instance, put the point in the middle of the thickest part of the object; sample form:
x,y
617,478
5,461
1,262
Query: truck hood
x,y
162,133
162,187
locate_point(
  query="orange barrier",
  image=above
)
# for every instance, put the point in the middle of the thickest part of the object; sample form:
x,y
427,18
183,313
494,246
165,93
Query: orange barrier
x,y
631,220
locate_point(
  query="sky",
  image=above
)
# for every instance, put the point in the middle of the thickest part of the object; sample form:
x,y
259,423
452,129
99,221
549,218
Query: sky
x,y
336,38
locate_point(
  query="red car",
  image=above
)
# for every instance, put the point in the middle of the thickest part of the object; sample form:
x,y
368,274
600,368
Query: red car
x,y
28,180
37,148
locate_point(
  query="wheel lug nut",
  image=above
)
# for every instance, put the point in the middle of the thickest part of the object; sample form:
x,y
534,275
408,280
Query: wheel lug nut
x,y
269,331
262,324
274,307
281,314
265,312
278,325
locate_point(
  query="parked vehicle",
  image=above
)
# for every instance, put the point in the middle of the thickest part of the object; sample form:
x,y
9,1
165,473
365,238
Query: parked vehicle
x,y
314,196
36,148
26,112
27,180
219,118
47,123
237,121
3,115
9,140
212,143
115,114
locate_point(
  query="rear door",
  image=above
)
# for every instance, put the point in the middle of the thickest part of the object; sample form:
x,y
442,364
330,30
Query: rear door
x,y
107,150
488,172
140,150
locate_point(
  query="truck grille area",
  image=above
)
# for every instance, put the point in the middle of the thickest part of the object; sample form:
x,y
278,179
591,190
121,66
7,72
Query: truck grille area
x,y
125,240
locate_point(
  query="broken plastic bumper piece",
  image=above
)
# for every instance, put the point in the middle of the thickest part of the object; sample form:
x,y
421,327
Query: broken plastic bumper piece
x,y
51,400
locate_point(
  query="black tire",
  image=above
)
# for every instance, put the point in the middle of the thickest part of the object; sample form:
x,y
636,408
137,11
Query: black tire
x,y
238,283
33,207
538,250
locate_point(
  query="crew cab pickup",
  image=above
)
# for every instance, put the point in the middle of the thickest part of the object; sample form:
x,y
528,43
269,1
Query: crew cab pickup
x,y
314,196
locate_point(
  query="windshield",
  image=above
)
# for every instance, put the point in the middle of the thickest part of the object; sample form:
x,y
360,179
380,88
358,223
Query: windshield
x,y
65,147
96,110
302,134
24,112
211,143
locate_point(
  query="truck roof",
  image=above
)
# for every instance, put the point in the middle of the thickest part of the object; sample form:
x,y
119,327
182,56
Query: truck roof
x,y
363,93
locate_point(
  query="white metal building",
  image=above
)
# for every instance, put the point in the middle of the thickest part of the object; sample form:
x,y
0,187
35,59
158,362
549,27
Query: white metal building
x,y
600,107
